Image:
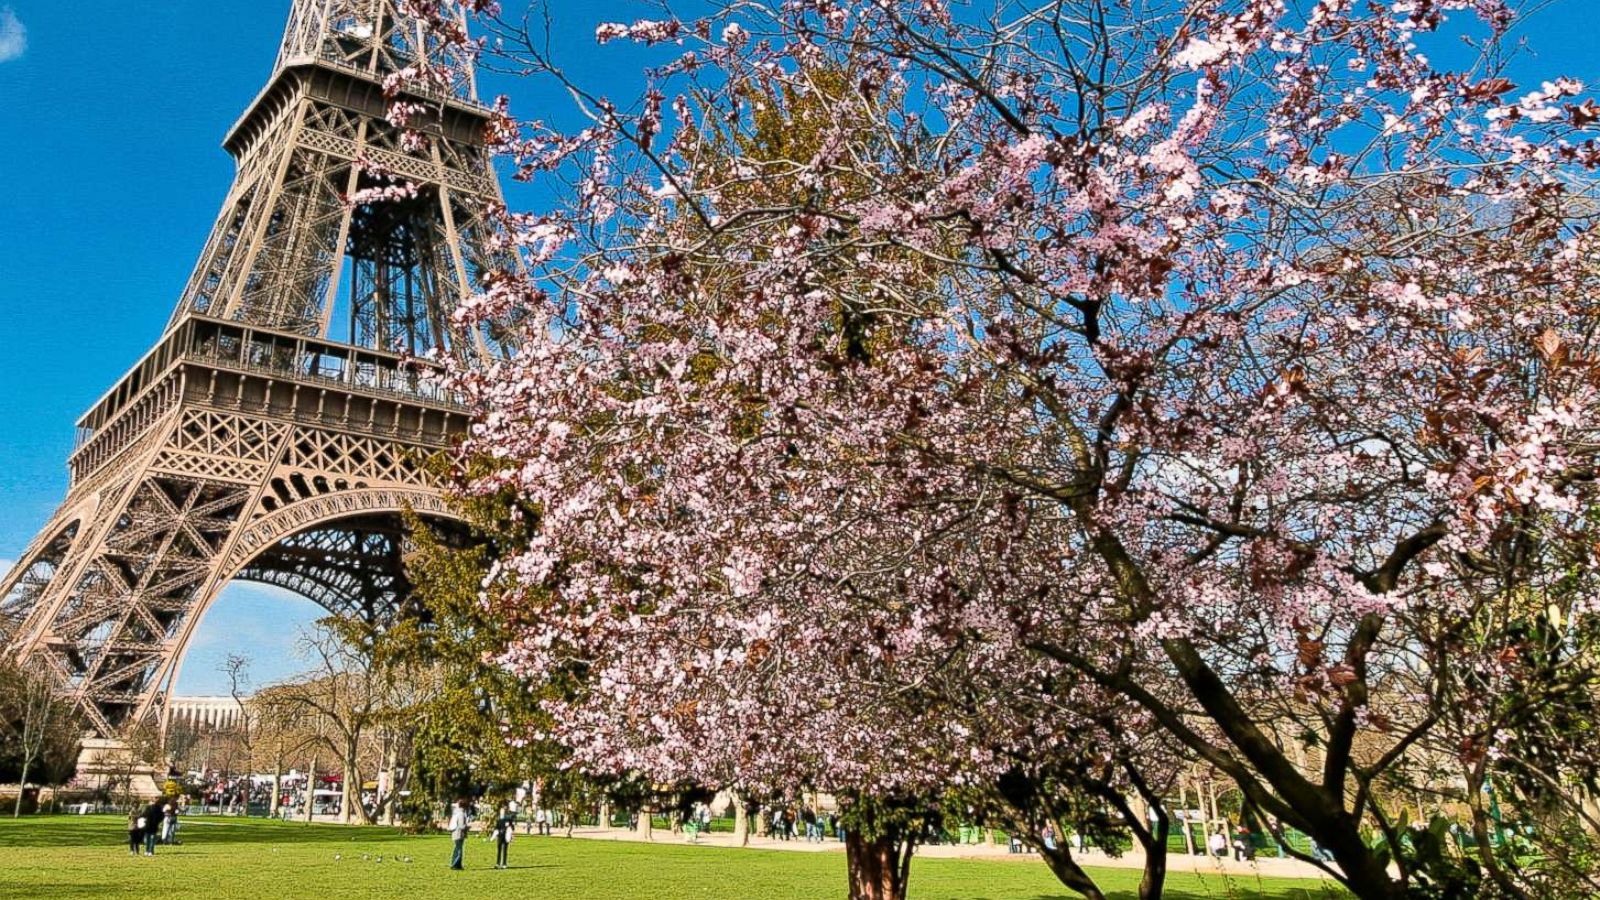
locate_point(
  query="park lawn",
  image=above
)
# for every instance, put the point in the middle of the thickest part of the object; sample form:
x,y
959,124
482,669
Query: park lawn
x,y
54,857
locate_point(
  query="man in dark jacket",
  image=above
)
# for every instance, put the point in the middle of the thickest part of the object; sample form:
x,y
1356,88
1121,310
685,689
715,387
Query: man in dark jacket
x,y
153,816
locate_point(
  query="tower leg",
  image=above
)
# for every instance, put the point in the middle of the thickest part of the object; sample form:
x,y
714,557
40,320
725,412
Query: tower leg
x,y
111,595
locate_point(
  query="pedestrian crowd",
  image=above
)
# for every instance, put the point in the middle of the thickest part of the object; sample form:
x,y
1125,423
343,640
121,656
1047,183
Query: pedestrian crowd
x,y
789,823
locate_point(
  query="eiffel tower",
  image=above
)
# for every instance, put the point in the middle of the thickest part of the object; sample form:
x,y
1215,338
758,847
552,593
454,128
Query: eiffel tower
x,y
276,431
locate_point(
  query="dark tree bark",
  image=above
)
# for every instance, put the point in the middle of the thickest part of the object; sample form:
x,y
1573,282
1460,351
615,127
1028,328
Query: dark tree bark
x,y
880,867
1152,837
1154,880
1068,872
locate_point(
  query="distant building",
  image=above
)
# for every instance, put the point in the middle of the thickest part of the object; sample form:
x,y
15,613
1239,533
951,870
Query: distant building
x,y
205,713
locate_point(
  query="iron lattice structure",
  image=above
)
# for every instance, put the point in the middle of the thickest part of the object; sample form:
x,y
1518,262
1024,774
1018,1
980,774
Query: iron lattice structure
x,y
277,430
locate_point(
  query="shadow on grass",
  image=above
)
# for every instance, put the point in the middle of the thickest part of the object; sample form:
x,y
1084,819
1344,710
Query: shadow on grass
x,y
70,890
98,831
1234,892
1238,889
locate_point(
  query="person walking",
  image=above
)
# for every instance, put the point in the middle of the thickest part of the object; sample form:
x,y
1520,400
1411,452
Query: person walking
x,y
135,831
505,824
458,833
154,815
169,824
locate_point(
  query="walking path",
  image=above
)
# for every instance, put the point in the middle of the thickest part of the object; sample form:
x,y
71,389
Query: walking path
x,y
1263,867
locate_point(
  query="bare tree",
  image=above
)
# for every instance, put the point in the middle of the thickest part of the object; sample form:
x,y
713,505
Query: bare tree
x,y
285,734
142,745
39,708
237,670
344,690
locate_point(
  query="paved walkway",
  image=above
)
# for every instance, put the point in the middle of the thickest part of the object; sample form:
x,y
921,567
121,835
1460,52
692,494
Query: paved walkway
x,y
1264,867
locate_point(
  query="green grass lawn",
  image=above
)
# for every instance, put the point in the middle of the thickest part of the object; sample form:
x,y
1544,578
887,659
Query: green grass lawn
x,y
71,856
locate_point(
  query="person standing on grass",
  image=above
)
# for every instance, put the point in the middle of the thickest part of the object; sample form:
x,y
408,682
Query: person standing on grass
x,y
458,832
154,815
505,824
169,824
135,830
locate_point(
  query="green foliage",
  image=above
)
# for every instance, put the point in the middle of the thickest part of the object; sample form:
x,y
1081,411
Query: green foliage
x,y
1526,730
59,743
478,734
1439,870
896,818
463,742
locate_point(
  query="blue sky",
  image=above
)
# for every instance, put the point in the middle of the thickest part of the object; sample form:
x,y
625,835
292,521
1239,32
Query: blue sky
x,y
111,114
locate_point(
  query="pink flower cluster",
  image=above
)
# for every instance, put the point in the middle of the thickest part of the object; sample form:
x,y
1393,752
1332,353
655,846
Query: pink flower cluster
x,y
875,425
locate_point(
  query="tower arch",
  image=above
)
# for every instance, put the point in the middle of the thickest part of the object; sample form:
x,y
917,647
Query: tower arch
x,y
347,557
287,414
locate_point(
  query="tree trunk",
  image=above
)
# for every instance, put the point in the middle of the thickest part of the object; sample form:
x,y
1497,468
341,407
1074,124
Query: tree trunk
x,y
1150,824
878,869
1068,872
1155,860
22,788
1154,879
388,800
1364,876
350,806
1182,817
277,782
643,828
741,821
311,789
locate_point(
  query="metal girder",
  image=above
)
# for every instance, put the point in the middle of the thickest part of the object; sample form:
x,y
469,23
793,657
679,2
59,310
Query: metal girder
x,y
353,566
376,38
275,433
288,236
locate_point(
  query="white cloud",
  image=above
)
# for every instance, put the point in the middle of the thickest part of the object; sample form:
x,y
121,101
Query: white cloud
x,y
13,35
5,567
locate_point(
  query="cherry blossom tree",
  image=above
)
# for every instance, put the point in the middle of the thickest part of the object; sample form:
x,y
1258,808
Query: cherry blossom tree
x,y
1229,359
